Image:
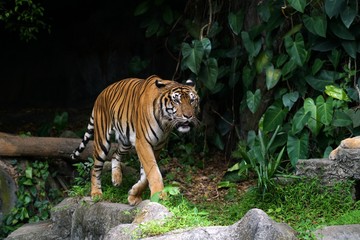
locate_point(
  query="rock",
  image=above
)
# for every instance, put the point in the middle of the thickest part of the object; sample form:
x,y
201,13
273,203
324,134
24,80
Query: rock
x,y
338,232
255,225
93,220
7,188
326,170
151,211
33,231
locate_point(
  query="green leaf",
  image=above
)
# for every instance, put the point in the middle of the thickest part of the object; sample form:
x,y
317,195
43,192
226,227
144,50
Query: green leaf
x,y
317,65
253,100
354,114
299,120
341,119
314,123
207,46
236,21
155,197
296,49
297,148
248,76
350,47
299,5
325,109
273,117
142,8
289,99
337,93
168,15
208,74
152,28
341,31
262,61
252,47
29,172
323,79
316,24
348,15
288,68
272,76
193,55
333,7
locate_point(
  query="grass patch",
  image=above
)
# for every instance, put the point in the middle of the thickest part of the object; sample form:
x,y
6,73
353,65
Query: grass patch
x,y
304,205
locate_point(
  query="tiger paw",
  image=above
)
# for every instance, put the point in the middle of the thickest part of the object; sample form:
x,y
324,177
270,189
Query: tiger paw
x,y
96,194
116,179
134,200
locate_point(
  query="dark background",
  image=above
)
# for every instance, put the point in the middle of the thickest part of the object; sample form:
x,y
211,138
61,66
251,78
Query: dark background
x,y
90,46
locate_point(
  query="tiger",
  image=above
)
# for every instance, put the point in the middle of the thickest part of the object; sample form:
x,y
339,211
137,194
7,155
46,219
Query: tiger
x,y
140,113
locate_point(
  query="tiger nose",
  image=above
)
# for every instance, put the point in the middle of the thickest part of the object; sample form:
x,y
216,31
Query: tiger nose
x,y
187,115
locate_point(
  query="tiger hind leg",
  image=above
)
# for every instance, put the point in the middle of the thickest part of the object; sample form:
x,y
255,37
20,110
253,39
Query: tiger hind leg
x,y
96,178
137,190
116,173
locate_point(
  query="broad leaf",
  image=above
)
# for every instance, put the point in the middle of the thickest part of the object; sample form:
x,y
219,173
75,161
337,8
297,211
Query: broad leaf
x,y
354,114
337,93
333,7
274,116
142,8
341,119
252,47
193,55
299,120
299,5
348,15
325,109
262,61
296,49
289,99
168,15
297,148
272,76
236,21
316,24
314,123
339,29
323,79
350,47
317,65
253,100
207,46
208,74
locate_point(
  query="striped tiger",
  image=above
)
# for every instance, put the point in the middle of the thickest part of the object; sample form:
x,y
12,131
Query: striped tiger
x,y
141,113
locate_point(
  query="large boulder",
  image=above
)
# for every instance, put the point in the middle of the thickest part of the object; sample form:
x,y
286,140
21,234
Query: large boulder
x,y
84,219
255,225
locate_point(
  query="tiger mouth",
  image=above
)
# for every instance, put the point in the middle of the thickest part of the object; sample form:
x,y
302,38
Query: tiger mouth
x,y
184,127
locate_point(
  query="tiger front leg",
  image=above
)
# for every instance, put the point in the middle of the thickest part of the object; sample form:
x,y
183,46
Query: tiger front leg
x,y
149,173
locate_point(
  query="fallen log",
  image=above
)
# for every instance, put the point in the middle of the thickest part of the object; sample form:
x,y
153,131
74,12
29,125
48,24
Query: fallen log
x,y
48,147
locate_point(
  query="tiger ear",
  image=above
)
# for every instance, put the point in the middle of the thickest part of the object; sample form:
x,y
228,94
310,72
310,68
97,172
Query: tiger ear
x,y
190,82
159,84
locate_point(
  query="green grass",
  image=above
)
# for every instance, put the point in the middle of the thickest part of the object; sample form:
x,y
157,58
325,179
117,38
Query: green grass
x,y
304,205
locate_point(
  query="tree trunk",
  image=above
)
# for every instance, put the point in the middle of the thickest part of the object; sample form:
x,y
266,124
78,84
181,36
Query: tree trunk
x,y
16,146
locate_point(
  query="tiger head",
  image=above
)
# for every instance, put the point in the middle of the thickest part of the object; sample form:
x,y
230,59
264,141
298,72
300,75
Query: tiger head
x,y
180,105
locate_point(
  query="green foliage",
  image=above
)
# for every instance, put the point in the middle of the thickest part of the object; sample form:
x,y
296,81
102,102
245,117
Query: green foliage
x,y
34,199
259,159
292,64
83,169
25,17
55,128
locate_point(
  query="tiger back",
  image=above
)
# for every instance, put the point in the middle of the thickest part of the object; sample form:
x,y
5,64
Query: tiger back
x,y
141,113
